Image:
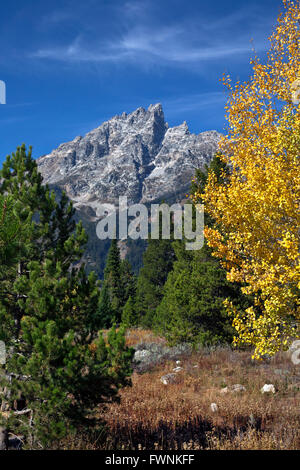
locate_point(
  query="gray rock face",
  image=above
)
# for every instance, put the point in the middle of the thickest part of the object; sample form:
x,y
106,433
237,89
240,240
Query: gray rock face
x,y
135,155
141,355
168,379
236,388
268,388
214,407
148,355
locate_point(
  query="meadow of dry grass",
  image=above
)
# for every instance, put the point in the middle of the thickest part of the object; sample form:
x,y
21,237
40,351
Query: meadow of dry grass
x,y
152,415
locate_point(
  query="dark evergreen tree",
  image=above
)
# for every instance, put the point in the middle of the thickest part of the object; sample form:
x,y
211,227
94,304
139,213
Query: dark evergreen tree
x,y
216,166
112,281
105,311
118,285
13,233
157,263
128,280
220,170
192,308
129,315
58,366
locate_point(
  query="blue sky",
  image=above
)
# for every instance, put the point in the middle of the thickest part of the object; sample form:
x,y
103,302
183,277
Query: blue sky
x,y
70,65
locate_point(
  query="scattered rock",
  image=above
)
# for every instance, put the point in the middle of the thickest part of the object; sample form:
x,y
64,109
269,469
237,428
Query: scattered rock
x,y
168,379
294,352
268,388
295,346
142,354
237,388
148,355
214,407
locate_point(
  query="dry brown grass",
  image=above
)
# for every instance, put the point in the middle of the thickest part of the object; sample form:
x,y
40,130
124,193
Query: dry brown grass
x,y
138,335
178,416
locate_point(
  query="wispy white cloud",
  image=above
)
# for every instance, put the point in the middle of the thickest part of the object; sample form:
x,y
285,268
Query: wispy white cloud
x,y
194,102
142,41
133,9
69,13
143,46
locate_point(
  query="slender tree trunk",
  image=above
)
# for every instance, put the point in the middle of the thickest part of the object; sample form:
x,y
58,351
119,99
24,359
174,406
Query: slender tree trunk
x,y
18,313
3,438
3,409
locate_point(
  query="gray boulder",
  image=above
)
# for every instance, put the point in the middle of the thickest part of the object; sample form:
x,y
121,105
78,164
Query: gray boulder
x,y
268,388
141,355
214,407
168,379
295,346
236,388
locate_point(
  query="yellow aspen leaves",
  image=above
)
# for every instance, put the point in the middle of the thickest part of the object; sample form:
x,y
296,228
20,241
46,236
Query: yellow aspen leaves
x,y
257,208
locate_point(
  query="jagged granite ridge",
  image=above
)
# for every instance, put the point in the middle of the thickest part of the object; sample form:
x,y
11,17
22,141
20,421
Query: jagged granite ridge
x,y
135,155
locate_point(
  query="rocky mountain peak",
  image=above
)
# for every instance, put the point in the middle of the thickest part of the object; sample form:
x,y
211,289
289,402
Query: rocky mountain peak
x,y
135,155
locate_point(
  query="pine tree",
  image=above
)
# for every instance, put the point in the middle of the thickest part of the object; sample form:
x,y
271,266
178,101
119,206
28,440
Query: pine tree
x,y
118,285
157,263
112,281
220,171
9,241
58,366
104,311
129,315
128,281
192,308
13,233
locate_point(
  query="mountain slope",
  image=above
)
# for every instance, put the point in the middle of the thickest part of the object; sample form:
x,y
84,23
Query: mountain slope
x,y
135,155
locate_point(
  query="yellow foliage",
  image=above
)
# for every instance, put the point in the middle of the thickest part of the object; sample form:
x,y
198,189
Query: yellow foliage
x,y
257,209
